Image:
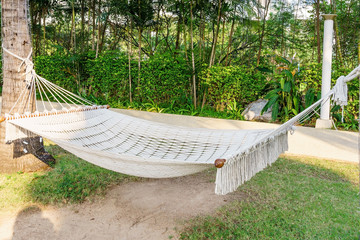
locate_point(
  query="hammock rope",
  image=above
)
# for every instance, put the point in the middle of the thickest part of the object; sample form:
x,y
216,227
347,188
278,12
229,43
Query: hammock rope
x,y
149,149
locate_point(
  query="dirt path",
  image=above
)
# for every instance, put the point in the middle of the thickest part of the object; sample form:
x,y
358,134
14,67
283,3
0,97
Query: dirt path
x,y
150,209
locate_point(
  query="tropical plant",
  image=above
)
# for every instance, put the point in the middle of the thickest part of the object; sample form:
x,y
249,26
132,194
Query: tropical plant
x,y
284,98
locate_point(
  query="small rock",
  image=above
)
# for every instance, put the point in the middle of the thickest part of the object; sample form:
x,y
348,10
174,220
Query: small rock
x,y
253,111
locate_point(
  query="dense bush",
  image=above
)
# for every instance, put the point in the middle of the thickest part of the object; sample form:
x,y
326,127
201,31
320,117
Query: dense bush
x,y
61,68
226,85
165,80
108,80
165,84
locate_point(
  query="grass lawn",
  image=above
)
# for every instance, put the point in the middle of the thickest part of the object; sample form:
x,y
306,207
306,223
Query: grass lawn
x,y
293,199
72,180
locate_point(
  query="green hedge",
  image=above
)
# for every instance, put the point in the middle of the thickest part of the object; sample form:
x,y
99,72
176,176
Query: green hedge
x,y
165,82
226,85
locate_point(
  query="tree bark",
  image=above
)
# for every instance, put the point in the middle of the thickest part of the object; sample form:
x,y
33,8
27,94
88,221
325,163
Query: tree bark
x,y
317,12
267,4
20,154
192,54
184,29
222,40
130,53
73,30
212,56
82,34
93,9
139,62
98,30
230,42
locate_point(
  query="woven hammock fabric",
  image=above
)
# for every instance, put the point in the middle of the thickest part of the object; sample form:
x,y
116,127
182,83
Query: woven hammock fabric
x,y
144,148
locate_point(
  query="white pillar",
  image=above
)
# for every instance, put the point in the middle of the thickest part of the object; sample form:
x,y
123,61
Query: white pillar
x,y
325,121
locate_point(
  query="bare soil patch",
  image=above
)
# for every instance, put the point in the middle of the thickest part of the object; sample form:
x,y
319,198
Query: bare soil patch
x,y
149,209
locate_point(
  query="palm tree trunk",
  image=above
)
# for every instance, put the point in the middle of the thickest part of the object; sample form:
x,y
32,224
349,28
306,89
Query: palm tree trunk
x,y
17,156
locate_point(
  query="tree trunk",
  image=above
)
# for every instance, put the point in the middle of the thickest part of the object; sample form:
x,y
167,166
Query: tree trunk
x,y
184,29
82,34
212,56
201,35
20,154
317,10
139,63
222,40
73,31
101,44
130,53
98,30
44,28
359,49
192,54
93,24
267,4
178,29
230,42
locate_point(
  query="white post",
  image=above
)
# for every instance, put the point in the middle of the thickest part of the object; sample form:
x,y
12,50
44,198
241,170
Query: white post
x,y
325,121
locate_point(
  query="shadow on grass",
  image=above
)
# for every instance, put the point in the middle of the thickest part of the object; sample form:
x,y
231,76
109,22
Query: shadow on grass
x,y
292,199
71,180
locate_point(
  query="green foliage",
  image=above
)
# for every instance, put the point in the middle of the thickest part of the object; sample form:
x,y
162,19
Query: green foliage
x,y
108,78
292,199
284,98
61,68
233,86
295,88
165,80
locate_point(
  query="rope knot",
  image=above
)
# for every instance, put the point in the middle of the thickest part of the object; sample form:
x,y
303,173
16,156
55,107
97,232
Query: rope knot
x,y
340,92
29,65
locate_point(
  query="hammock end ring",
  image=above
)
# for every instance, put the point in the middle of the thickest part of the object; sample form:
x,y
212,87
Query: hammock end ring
x,y
2,119
219,163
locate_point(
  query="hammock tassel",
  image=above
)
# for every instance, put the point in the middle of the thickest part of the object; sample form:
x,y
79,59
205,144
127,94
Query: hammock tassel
x,y
241,167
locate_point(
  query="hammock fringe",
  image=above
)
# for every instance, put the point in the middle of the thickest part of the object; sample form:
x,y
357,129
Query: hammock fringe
x,y
242,167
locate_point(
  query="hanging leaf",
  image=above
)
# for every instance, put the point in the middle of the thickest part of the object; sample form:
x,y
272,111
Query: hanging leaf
x,y
275,111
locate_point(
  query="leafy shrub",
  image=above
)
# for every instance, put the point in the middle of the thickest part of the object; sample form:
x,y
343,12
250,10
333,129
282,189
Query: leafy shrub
x,y
61,68
108,77
165,80
226,85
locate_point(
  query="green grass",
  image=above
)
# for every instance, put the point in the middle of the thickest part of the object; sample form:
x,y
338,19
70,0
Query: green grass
x,y
293,199
72,180
297,198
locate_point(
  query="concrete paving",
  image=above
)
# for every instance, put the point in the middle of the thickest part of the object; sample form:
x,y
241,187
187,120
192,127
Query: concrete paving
x,y
306,141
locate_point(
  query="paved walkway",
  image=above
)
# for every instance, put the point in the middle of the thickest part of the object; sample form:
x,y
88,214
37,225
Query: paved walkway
x,y
306,141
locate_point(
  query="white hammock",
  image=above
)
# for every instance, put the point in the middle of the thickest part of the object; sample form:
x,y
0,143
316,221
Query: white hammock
x,y
148,149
